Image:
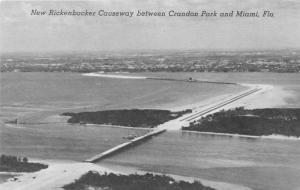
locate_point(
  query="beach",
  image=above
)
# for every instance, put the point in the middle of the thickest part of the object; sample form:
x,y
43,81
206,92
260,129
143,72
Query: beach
x,y
58,174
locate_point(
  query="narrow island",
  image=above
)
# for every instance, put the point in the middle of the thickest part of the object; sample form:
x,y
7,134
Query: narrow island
x,y
147,118
18,164
256,122
93,180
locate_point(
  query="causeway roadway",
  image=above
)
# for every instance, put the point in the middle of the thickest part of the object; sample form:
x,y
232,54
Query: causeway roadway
x,y
176,124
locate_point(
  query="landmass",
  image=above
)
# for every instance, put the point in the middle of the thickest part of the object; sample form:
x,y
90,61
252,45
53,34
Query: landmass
x,y
93,180
18,164
255,122
146,118
287,61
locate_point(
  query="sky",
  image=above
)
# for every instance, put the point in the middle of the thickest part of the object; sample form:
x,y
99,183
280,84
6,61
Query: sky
x,y
22,32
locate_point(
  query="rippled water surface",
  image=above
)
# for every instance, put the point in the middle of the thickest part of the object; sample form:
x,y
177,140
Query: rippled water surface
x,y
261,164
37,99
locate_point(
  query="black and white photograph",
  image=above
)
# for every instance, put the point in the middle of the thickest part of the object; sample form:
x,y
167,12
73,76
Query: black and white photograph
x,y
150,95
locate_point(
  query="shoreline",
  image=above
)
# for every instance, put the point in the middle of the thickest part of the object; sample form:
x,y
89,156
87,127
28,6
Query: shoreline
x,y
214,184
58,174
62,172
273,136
119,126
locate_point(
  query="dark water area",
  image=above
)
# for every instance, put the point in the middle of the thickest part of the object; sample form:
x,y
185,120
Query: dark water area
x,y
260,164
37,99
61,141
235,77
288,81
73,90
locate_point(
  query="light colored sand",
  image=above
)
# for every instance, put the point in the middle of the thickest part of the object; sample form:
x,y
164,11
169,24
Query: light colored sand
x,y
280,137
61,173
55,176
269,97
274,136
213,184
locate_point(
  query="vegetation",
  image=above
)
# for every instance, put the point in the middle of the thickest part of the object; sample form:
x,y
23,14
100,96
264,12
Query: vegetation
x,y
18,164
256,122
132,182
130,118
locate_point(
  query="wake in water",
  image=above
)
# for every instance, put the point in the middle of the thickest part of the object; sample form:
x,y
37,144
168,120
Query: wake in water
x,y
113,76
155,78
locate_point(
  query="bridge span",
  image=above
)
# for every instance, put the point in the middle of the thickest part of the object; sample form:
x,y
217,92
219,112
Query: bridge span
x,y
125,145
175,124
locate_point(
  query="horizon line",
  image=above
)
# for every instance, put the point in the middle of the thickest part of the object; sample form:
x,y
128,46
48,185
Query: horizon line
x,y
149,50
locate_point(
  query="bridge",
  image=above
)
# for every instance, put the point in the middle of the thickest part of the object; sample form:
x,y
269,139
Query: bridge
x,y
173,124
199,114
125,145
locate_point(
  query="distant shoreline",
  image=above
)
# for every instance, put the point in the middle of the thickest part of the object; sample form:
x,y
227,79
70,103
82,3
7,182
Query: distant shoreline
x,y
277,61
106,75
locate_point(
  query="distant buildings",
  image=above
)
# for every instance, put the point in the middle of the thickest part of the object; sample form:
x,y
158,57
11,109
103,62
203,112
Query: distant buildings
x,y
274,61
